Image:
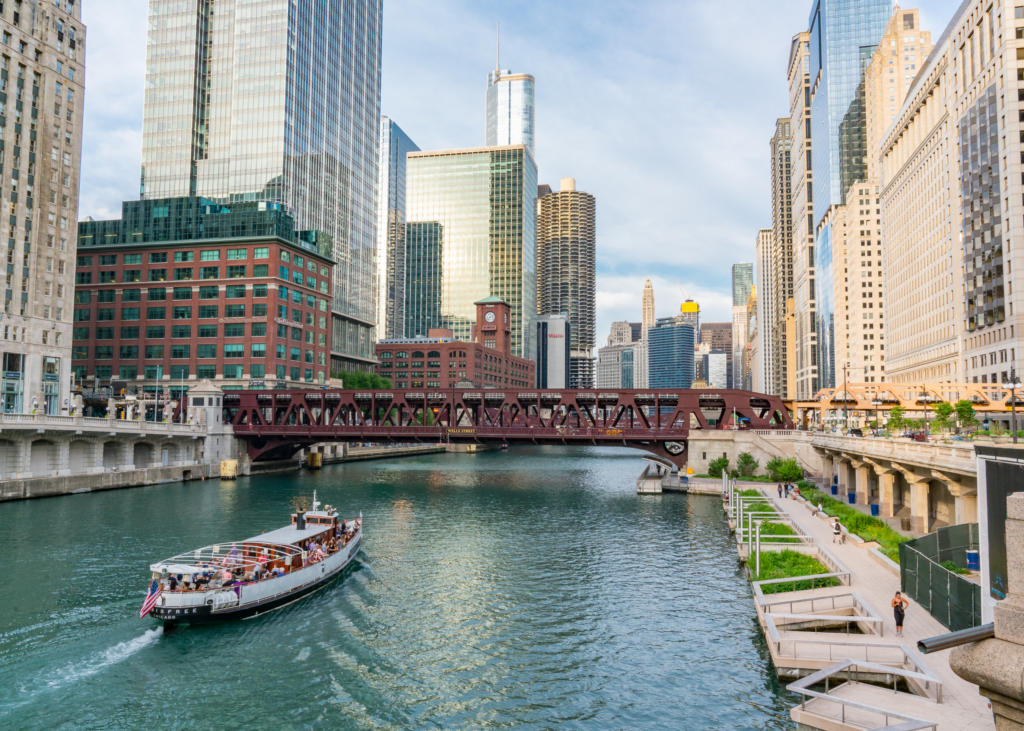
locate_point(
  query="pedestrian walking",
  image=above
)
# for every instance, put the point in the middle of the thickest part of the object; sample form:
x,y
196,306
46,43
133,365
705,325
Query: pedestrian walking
x,y
780,490
837,531
899,609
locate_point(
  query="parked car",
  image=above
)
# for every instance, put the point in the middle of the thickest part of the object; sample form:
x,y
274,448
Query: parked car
x,y
855,433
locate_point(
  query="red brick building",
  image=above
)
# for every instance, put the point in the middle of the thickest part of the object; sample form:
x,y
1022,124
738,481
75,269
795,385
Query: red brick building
x,y
439,361
245,312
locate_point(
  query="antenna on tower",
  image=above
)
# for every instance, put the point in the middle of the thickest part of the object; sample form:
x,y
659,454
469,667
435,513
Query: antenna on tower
x,y
681,292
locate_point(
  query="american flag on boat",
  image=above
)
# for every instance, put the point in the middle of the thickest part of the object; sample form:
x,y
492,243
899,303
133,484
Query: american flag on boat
x,y
154,594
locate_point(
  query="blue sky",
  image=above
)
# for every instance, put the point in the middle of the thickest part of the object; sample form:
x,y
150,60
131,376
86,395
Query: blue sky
x,y
662,109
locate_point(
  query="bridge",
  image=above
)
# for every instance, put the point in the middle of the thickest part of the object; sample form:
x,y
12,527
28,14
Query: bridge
x,y
276,424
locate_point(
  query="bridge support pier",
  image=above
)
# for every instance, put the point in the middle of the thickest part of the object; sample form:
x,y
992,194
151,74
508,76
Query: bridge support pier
x,y
844,477
828,469
886,492
919,518
862,488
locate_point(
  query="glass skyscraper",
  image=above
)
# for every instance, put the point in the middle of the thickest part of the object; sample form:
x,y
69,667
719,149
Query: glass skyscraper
x,y
276,101
510,110
394,146
471,234
843,34
670,353
742,281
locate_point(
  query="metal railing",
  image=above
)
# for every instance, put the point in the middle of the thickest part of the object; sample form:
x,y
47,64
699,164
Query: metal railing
x,y
854,667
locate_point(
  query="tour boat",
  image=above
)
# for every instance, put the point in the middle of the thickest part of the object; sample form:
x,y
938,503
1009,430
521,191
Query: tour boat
x,y
244,579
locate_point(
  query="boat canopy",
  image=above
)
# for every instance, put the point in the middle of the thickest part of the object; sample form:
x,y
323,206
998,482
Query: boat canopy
x,y
236,555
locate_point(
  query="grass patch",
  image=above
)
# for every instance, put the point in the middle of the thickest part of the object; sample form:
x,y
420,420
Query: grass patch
x,y
865,526
950,566
786,564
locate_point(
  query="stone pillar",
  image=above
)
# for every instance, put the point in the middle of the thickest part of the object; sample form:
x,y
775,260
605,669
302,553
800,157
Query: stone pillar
x,y
886,492
828,469
63,457
863,487
996,665
125,456
21,456
844,477
919,517
94,457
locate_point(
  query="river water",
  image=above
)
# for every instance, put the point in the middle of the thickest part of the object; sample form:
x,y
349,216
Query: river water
x,y
527,589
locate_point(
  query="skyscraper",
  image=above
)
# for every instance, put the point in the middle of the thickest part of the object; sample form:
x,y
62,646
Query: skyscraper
x,y
742,282
479,206
775,283
718,335
647,318
259,102
567,273
670,354
510,110
394,146
843,37
44,81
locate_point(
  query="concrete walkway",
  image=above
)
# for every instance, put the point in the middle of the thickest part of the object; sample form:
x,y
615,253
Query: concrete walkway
x,y
962,707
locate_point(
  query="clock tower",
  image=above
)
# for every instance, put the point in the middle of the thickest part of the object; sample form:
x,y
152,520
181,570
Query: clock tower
x,y
494,324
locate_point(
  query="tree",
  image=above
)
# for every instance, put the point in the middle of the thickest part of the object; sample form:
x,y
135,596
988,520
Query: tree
x,y
717,466
897,418
361,379
944,412
965,413
746,465
784,469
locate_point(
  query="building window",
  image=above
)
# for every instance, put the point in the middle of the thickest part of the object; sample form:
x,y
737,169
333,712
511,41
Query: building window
x,y
261,252
234,350
182,293
236,272
213,255
207,351
182,312
207,331
260,270
129,313
208,312
209,272
234,254
181,331
259,350
183,274
209,293
235,291
180,256
234,311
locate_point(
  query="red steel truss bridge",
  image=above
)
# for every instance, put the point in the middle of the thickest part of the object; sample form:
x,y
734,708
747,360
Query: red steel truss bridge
x,y
277,424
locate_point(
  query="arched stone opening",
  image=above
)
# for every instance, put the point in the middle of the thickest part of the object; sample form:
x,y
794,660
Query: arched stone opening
x,y
80,457
142,455
43,458
169,453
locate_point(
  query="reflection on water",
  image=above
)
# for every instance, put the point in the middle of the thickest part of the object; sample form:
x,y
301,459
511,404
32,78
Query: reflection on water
x,y
523,589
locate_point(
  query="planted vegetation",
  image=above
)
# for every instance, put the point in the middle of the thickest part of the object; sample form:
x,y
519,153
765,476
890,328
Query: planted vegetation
x,y
865,526
768,527
789,564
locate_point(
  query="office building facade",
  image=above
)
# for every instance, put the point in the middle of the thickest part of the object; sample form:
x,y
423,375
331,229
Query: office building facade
x,y
843,37
552,350
718,336
43,65
510,117
442,361
715,369
184,289
742,282
479,206
394,146
805,338
775,283
567,270
670,354
305,136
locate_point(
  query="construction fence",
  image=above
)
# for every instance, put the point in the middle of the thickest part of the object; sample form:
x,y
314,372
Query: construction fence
x,y
952,599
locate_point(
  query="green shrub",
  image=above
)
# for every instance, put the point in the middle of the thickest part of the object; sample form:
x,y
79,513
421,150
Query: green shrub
x,y
746,465
865,526
717,466
950,566
784,470
786,564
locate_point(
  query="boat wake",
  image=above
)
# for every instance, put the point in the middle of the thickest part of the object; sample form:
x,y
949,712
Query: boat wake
x,y
106,658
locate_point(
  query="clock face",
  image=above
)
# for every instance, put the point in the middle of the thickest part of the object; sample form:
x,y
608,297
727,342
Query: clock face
x,y
489,317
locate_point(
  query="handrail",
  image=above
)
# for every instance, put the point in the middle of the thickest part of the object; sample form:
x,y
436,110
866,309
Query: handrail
x,y
803,685
955,639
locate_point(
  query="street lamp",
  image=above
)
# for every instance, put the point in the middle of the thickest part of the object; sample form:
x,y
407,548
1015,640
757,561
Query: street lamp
x,y
876,403
1012,385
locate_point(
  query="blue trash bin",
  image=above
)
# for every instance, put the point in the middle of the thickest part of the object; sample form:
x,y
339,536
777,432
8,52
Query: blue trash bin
x,y
835,489
974,560
874,511
853,498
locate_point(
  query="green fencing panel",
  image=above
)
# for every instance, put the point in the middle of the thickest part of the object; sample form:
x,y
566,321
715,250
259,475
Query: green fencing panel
x,y
928,546
924,583
940,594
962,603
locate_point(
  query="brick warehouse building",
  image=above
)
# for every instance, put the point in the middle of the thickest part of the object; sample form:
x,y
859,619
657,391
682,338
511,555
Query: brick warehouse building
x,y
441,361
185,289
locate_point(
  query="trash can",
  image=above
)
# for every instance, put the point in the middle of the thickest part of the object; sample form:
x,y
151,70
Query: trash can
x,y
835,489
853,498
874,511
974,560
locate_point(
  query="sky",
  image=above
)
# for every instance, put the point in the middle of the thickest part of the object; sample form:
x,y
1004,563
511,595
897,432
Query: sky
x,y
662,109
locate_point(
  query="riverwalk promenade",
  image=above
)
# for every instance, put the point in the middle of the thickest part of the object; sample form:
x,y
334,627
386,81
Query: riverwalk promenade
x,y
959,708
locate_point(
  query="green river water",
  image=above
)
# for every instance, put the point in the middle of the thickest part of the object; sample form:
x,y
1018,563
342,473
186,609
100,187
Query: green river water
x,y
528,589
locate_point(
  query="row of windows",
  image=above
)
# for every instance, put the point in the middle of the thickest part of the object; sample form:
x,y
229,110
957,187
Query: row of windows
x,y
184,274
177,372
177,352
158,332
160,257
159,294
183,312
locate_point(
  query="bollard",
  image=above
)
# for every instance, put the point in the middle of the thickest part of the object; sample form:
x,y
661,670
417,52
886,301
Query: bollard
x,y
757,545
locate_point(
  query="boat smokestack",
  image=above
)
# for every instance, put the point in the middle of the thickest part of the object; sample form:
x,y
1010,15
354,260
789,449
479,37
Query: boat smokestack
x,y
300,520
